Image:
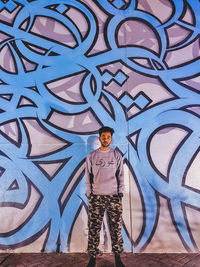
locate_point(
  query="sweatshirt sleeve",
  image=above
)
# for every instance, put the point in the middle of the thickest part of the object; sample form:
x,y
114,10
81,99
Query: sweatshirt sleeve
x,y
120,172
88,166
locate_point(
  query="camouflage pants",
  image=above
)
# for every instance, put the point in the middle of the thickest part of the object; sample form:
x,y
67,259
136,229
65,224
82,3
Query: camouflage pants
x,y
97,205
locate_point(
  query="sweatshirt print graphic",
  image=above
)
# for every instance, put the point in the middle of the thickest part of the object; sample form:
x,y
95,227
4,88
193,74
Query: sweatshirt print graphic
x,y
106,168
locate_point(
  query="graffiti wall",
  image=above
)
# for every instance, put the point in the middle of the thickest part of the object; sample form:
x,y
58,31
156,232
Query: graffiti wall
x,y
68,67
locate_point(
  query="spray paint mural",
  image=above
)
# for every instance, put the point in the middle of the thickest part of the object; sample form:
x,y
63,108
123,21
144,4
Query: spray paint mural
x,y
69,67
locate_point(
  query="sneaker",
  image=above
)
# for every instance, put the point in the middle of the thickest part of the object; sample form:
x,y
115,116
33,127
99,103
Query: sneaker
x,y
118,262
92,262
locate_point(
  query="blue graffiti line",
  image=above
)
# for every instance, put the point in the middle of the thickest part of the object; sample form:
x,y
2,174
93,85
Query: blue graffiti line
x,y
37,73
8,5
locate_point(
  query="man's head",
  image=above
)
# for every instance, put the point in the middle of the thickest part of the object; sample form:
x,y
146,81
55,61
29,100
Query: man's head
x,y
105,137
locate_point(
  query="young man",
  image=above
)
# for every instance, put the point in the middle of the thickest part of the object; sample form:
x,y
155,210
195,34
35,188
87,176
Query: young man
x,y
104,189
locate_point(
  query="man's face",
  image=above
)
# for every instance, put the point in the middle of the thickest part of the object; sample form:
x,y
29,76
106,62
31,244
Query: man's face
x,y
105,139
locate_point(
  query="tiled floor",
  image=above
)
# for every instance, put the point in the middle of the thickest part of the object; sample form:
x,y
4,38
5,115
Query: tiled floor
x,y
106,260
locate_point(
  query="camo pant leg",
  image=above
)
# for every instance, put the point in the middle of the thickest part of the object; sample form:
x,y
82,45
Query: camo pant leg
x,y
96,209
114,213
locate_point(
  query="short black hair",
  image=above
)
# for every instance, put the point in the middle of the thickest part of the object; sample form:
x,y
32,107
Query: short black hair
x,y
106,129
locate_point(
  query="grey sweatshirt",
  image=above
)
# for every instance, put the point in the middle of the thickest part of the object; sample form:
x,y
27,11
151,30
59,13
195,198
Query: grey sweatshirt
x,y
104,165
